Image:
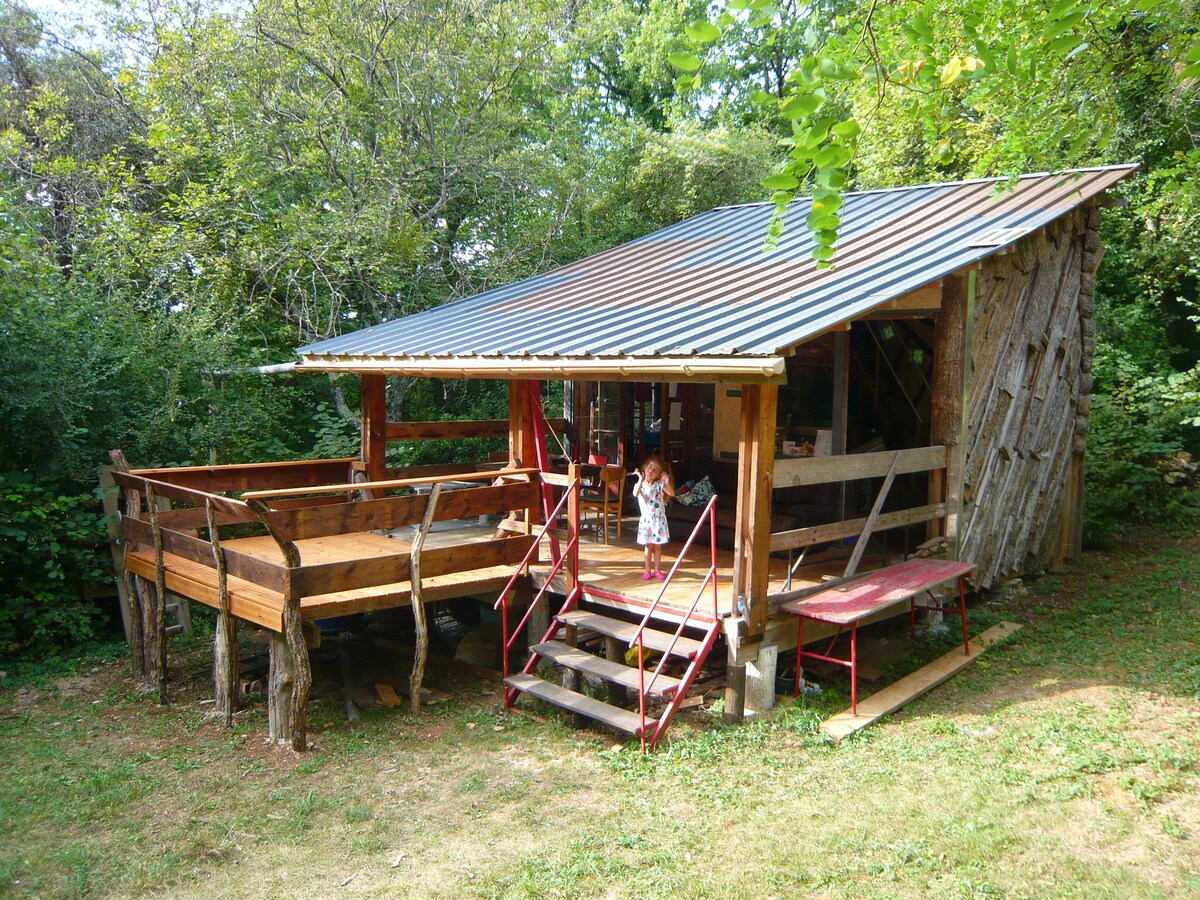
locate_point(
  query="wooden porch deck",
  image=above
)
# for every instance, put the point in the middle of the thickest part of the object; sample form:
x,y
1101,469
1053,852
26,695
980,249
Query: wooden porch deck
x,y
263,606
616,568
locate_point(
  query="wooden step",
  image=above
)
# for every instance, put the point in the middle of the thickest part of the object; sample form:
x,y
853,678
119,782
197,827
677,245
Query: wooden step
x,y
582,661
620,719
624,631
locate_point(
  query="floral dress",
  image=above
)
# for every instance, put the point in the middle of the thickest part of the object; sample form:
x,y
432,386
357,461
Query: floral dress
x,y
652,527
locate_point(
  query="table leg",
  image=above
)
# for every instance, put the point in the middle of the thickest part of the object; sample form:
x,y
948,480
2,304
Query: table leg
x,y
854,669
962,609
799,651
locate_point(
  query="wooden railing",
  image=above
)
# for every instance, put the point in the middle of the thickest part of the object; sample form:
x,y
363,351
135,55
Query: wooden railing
x,y
318,502
836,469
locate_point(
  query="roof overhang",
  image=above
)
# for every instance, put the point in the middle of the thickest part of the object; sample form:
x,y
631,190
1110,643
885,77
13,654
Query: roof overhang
x,y
734,369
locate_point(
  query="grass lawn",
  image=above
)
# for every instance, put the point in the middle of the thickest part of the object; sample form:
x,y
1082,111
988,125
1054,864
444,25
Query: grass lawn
x,y
1063,763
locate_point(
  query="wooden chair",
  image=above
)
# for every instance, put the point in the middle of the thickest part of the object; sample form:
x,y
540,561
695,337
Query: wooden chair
x,y
605,498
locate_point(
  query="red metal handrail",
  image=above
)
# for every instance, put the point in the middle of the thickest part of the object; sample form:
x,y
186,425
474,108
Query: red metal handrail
x,y
562,558
638,639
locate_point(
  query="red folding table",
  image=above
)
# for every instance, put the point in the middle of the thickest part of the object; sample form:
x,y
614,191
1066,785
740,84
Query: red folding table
x,y
851,602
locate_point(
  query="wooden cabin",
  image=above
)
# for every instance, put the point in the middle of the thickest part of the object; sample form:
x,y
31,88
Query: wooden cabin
x,y
929,390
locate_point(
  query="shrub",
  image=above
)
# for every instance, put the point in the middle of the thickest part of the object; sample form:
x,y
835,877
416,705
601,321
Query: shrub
x,y
52,542
1137,425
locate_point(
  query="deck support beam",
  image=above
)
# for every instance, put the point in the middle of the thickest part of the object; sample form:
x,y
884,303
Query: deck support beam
x,y
374,426
949,395
752,545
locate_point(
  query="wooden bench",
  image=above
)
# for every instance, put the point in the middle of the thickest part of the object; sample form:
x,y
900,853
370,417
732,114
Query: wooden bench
x,y
851,602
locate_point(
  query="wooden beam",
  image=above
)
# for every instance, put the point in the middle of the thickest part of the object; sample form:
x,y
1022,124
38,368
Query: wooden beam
x,y
240,565
830,469
912,686
949,398
756,457
388,485
374,426
835,531
329,578
395,512
250,475
488,428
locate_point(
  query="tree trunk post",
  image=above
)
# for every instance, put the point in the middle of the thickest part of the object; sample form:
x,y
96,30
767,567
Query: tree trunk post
x,y
225,640
421,652
158,657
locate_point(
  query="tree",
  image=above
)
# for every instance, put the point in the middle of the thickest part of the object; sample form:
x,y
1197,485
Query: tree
x,y
948,69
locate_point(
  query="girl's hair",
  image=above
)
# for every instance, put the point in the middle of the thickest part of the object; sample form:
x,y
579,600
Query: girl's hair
x,y
663,466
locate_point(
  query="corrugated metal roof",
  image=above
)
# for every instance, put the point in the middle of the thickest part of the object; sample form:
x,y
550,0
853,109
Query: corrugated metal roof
x,y
704,289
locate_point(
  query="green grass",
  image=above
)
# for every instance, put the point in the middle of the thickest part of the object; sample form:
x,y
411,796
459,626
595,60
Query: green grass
x,y
1063,763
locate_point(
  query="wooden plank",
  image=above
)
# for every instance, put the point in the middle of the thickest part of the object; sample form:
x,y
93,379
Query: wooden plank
x,y
484,428
590,664
860,545
756,456
327,578
243,477
387,695
653,640
374,425
912,686
391,484
197,517
223,505
246,601
241,565
621,719
835,531
876,590
828,469
396,512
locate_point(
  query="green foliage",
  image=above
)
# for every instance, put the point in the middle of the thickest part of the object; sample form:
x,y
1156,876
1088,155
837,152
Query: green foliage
x,y
51,544
1138,423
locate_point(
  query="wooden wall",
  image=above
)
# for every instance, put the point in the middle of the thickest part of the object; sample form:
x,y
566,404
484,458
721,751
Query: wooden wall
x,y
1029,397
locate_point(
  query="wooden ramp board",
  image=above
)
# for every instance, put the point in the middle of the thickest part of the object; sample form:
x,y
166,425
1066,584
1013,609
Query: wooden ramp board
x,y
908,688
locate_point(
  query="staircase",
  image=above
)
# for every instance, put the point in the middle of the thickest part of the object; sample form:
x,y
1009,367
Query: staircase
x,y
673,646
677,639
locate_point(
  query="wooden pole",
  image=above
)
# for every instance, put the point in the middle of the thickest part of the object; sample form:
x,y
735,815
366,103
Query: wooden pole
x,y
418,602
133,597
752,544
374,426
225,641
291,672
756,464
158,659
948,403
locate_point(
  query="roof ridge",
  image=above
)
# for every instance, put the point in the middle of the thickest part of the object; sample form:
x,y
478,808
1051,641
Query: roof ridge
x,y
938,184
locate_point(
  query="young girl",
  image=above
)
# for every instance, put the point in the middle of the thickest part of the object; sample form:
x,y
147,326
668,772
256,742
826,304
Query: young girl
x,y
652,490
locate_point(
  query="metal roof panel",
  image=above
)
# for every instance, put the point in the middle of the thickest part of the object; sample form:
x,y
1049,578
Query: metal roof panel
x,y
705,287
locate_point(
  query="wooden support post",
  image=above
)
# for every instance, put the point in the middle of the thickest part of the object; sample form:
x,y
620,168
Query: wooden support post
x,y
281,689
418,601
539,619
134,613
752,550
841,406
226,685
520,424
158,659
949,398
374,426
760,679
756,463
291,672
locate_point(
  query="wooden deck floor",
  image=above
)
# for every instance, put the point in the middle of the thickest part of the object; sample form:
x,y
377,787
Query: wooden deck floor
x,y
616,568
264,606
